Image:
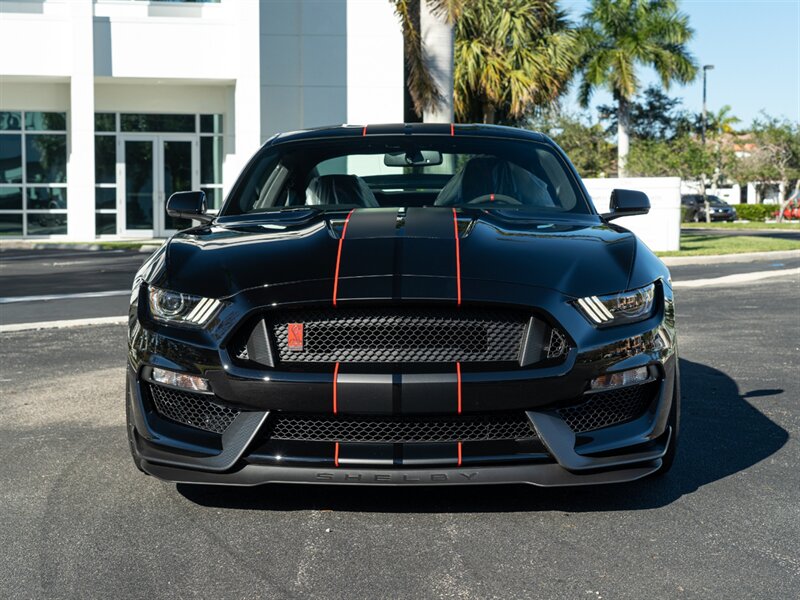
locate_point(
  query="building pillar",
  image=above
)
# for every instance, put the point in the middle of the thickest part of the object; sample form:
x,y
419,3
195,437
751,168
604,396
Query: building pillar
x,y
80,153
246,121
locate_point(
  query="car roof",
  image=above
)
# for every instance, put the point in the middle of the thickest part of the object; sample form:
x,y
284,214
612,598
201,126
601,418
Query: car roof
x,y
458,129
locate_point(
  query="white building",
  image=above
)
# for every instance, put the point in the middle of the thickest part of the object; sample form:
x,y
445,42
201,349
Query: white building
x,y
108,106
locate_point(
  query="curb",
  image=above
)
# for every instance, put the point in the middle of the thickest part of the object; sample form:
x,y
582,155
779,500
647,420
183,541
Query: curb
x,y
15,327
144,246
715,259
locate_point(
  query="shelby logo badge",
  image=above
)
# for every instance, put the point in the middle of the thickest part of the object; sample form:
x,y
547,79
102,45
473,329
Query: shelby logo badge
x,y
295,336
396,477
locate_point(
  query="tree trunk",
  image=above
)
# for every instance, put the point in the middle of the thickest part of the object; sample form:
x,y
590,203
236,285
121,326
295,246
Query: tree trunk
x,y
623,140
437,43
488,113
783,187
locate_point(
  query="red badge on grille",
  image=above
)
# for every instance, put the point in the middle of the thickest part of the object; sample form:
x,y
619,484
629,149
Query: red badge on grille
x,y
295,337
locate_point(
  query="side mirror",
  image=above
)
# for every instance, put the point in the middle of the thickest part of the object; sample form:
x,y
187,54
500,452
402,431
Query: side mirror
x,y
626,203
188,205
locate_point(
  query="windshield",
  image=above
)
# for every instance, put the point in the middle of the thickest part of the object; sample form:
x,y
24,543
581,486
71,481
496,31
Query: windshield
x,y
418,171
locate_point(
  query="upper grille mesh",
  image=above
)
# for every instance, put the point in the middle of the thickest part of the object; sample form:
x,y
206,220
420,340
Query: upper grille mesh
x,y
603,409
398,429
397,334
195,410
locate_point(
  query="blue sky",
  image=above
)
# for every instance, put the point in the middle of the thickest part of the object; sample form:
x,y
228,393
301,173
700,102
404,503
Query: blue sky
x,y
754,46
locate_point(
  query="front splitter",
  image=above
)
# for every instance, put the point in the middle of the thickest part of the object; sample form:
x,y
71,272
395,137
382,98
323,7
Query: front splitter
x,y
547,475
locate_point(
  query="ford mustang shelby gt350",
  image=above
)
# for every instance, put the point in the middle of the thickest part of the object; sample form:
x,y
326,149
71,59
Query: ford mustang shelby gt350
x,y
404,304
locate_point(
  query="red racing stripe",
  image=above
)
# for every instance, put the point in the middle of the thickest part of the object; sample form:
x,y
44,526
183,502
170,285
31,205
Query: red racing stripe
x,y
452,129
336,455
459,454
458,258
364,133
339,255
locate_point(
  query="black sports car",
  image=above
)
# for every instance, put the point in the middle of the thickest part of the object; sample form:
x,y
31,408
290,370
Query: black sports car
x,y
404,304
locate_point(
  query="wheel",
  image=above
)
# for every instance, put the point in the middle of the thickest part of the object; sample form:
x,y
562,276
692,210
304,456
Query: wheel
x,y
130,427
673,422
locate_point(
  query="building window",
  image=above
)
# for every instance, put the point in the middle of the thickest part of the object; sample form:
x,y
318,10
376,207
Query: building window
x,y
105,174
211,152
33,173
207,129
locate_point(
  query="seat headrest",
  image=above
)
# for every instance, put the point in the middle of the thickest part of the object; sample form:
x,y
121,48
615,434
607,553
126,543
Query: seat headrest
x,y
340,189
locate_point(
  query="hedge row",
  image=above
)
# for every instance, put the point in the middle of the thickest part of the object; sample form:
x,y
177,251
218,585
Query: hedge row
x,y
755,212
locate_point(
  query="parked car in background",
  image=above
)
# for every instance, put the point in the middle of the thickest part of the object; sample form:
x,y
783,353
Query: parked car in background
x,y
694,208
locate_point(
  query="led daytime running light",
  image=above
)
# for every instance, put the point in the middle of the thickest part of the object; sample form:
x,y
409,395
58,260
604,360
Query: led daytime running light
x,y
616,309
175,307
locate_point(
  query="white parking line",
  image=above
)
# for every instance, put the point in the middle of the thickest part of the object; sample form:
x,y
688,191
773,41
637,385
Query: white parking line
x,y
62,324
735,279
83,254
12,299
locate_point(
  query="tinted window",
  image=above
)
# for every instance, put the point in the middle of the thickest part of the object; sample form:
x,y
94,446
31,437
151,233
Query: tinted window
x,y
393,171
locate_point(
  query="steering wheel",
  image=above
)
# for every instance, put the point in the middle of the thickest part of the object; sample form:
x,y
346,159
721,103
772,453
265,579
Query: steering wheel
x,y
495,199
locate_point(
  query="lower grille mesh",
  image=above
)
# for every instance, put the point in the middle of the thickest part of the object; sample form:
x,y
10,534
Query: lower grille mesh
x,y
604,409
195,410
398,429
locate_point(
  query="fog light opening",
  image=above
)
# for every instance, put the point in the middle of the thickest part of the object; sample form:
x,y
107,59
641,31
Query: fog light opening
x,y
180,380
623,378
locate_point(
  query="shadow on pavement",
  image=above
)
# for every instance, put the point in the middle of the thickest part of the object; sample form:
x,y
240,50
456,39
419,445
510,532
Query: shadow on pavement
x,y
721,434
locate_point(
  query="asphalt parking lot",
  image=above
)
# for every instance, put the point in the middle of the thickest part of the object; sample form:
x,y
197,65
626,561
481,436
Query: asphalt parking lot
x,y
79,521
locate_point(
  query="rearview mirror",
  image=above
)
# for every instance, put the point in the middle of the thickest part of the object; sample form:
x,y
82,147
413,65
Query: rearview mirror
x,y
626,203
188,205
413,158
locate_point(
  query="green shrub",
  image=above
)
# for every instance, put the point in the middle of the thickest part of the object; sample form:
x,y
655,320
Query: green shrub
x,y
755,212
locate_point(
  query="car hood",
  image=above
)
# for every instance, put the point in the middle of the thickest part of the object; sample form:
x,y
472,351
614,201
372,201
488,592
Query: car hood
x,y
399,253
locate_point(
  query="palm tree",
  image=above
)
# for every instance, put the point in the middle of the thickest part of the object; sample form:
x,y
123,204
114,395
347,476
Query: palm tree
x,y
428,47
511,55
619,35
721,122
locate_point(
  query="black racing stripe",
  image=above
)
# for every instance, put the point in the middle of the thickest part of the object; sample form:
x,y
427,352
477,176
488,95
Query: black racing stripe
x,y
397,381
434,223
429,393
365,393
372,223
368,264
366,453
428,254
430,453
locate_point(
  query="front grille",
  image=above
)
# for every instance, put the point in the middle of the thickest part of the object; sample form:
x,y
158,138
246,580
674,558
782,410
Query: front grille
x,y
195,410
398,429
398,334
613,407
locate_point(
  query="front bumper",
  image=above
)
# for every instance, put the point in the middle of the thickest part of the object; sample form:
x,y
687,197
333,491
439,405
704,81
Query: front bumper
x,y
558,453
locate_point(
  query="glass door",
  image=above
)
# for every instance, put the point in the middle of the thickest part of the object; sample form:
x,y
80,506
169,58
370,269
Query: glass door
x,y
137,195
153,168
178,172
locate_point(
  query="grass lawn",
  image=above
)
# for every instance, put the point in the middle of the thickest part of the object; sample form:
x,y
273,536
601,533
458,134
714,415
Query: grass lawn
x,y
697,244
753,225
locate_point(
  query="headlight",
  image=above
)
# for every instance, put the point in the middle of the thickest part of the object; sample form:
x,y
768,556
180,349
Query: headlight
x,y
618,309
174,307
